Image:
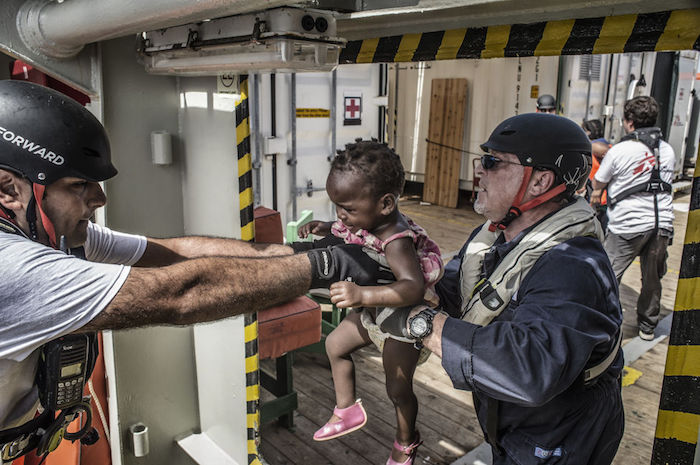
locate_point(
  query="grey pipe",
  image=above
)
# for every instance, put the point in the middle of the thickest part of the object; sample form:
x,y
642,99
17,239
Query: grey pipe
x,y
334,115
257,138
62,29
293,158
588,91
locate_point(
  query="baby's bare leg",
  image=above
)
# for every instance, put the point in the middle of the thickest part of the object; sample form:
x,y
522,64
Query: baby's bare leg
x,y
349,336
400,359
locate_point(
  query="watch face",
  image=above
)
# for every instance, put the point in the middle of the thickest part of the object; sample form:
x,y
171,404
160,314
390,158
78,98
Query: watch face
x,y
419,326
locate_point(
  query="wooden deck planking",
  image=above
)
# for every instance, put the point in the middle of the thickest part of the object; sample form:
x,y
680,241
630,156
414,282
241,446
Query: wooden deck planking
x,y
641,403
446,416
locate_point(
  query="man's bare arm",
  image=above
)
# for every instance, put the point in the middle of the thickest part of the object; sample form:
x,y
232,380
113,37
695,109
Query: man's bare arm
x,y
160,252
597,192
204,289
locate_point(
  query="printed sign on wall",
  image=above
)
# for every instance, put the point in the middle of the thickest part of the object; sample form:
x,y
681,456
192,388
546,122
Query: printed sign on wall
x,y
353,110
313,113
227,83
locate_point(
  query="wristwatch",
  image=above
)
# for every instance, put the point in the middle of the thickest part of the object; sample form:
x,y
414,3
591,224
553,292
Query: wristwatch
x,y
421,325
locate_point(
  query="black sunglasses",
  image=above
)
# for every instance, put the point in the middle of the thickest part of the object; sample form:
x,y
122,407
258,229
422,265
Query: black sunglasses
x,y
489,162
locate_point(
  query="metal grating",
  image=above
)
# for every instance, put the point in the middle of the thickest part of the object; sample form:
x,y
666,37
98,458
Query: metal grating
x,y
589,66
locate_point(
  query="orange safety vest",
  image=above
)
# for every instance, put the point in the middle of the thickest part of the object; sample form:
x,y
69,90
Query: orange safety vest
x,y
594,170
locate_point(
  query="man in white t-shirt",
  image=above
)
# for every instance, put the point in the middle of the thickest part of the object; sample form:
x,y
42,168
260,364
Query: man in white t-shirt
x,y
637,173
53,154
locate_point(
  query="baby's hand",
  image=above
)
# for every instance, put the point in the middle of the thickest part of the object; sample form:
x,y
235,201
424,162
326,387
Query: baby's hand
x,y
345,294
319,228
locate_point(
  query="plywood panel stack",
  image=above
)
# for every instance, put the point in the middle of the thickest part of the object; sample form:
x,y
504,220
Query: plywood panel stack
x,y
448,101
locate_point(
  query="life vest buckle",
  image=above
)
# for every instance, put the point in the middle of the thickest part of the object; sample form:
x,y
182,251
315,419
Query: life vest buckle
x,y
12,450
490,297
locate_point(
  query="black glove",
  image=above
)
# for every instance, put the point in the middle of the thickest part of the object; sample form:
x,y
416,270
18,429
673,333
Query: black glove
x,y
337,263
305,246
393,321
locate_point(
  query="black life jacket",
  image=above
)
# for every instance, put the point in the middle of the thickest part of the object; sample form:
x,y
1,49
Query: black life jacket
x,y
22,439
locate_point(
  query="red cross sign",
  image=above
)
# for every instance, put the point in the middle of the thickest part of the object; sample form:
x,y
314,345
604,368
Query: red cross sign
x,y
353,111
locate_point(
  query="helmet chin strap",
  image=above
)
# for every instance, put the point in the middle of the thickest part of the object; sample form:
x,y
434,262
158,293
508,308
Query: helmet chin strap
x,y
38,194
38,191
517,209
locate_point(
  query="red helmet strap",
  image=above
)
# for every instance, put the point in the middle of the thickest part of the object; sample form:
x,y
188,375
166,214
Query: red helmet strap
x,y
45,221
517,209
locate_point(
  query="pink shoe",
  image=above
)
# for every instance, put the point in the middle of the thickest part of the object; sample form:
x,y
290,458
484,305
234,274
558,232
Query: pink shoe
x,y
351,419
410,449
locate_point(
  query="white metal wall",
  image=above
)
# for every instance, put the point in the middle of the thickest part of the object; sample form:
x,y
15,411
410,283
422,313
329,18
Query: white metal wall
x,y
154,379
678,131
207,128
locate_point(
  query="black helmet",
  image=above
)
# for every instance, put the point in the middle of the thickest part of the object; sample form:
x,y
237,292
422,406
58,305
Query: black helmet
x,y
45,136
546,141
546,102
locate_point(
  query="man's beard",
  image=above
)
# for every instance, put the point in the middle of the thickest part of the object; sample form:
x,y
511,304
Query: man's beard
x,y
479,207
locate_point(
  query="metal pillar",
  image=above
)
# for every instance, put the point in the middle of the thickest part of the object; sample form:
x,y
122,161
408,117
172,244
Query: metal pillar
x,y
678,421
245,196
292,162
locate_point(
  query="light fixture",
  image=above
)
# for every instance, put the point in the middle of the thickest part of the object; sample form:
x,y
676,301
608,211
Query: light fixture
x,y
291,39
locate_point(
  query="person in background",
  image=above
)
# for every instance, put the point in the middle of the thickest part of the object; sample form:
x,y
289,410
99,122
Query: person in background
x,y
546,104
637,172
594,130
365,182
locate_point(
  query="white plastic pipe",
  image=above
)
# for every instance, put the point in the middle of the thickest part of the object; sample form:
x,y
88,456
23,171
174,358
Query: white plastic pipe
x,y
62,29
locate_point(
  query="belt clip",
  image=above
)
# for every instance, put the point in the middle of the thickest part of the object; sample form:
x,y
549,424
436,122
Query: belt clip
x,y
54,433
12,450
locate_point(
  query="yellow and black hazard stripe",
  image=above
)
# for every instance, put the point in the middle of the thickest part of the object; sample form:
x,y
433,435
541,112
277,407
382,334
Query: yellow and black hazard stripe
x,y
245,192
679,409
666,30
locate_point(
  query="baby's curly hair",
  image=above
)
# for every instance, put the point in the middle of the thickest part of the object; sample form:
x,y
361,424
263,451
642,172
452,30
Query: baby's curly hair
x,y
376,162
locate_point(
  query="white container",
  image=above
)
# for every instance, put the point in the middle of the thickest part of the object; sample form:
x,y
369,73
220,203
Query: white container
x,y
139,439
161,148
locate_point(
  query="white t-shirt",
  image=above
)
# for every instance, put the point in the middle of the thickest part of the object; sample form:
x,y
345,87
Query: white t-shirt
x,y
46,294
625,165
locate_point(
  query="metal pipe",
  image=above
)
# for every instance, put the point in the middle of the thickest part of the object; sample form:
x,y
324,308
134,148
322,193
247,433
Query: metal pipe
x,y
333,115
257,142
61,29
611,128
606,89
396,104
588,91
293,158
273,133
383,75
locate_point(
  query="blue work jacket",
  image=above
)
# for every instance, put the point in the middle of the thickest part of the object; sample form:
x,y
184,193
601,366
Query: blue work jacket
x,y
564,318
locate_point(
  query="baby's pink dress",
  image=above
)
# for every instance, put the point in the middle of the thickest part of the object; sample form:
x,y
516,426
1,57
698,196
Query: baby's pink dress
x,y
428,251
430,263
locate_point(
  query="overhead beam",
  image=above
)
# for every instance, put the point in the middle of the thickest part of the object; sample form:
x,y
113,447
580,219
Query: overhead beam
x,y
660,31
442,15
